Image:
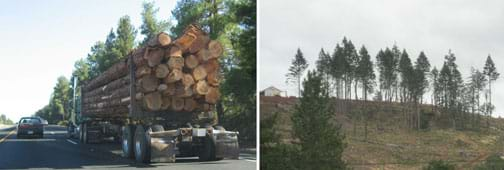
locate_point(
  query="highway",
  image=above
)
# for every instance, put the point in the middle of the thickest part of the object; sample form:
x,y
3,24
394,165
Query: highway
x,y
55,151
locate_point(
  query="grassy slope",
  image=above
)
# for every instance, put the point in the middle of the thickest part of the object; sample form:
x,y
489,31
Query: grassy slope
x,y
391,145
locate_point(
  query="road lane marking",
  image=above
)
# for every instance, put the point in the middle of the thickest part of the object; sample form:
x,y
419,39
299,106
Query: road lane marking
x,y
75,143
6,136
250,160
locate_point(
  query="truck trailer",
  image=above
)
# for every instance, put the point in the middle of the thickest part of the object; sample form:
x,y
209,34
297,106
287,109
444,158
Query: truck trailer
x,y
159,101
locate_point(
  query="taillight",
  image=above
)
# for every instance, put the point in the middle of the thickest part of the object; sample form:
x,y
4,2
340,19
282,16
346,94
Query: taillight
x,y
25,125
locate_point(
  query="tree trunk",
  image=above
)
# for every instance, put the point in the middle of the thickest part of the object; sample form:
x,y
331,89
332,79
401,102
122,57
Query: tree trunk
x,y
162,71
201,87
154,56
215,49
174,76
149,83
153,101
199,73
176,63
191,62
160,40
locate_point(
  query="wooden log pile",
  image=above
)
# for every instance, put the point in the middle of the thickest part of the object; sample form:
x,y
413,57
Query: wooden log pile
x,y
180,75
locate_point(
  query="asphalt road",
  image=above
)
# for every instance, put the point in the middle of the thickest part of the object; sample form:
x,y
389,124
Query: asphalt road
x,y
55,151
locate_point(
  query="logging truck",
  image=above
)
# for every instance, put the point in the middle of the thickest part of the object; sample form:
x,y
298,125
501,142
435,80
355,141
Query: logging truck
x,y
159,101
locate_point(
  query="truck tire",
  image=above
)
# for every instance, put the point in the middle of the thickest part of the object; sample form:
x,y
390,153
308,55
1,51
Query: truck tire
x,y
85,133
81,129
127,141
207,150
142,144
157,128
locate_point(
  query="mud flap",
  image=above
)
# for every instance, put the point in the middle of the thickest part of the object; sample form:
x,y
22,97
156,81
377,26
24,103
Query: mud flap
x,y
163,147
226,144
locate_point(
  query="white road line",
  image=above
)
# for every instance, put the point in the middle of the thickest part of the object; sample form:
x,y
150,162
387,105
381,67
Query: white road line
x,y
75,143
249,160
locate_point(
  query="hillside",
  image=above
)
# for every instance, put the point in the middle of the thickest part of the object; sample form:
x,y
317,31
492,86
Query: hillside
x,y
391,144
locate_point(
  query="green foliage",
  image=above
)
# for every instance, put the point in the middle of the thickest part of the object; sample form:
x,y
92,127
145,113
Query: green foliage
x,y
233,24
63,123
4,120
150,26
296,70
365,72
439,165
493,162
320,140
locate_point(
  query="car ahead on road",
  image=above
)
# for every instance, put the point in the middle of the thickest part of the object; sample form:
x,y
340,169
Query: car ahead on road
x,y
30,126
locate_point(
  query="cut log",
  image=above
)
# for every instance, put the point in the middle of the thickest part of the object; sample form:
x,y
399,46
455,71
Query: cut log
x,y
215,49
176,63
199,73
116,71
142,71
189,104
211,65
162,87
203,55
166,102
203,107
149,83
201,87
170,90
112,86
174,76
187,80
175,51
160,40
191,62
201,42
162,71
185,92
153,101
177,104
213,79
139,96
213,95
154,56
189,36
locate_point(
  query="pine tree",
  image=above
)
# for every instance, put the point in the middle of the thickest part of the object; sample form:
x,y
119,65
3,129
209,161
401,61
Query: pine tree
x,y
422,68
125,39
365,72
434,75
150,25
406,71
320,141
296,70
491,72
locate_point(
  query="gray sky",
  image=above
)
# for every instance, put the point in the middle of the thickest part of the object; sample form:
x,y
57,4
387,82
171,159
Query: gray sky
x,y
471,29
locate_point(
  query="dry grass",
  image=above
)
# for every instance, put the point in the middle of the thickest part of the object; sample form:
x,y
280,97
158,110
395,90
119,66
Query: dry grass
x,y
391,145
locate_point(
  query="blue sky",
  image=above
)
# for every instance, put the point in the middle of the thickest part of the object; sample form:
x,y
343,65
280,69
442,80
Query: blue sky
x,y
40,41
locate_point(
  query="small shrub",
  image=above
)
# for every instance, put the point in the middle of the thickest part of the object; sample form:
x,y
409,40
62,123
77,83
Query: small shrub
x,y
63,123
439,165
493,162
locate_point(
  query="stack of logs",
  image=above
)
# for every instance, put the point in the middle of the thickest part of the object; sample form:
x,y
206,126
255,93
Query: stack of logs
x,y
181,75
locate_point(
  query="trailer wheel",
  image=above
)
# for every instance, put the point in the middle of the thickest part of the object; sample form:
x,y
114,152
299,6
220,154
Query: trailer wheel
x,y
127,141
207,151
85,134
81,129
157,128
142,144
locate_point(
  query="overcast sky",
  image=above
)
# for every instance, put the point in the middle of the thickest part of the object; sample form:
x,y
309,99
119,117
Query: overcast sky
x,y
41,40
471,29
